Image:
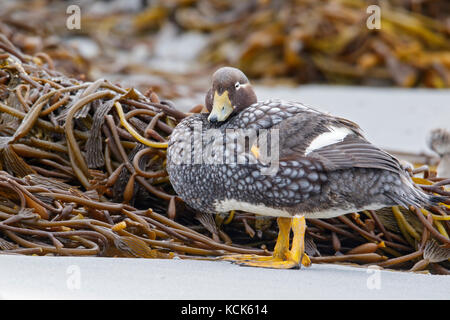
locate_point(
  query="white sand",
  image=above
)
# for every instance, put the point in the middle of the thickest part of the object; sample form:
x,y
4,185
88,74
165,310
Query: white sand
x,y
24,277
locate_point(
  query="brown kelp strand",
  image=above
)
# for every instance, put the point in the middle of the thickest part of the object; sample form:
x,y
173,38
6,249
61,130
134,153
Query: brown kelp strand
x,y
82,172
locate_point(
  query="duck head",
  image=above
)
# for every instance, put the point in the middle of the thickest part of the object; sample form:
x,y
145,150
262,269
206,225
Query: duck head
x,y
231,92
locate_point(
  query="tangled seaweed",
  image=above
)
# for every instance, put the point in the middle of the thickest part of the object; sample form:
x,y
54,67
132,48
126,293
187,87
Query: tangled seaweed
x,y
83,173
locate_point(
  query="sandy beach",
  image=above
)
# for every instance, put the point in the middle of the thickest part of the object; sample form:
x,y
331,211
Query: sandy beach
x,y
109,278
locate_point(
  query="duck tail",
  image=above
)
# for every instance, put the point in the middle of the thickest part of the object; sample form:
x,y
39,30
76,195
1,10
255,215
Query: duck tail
x,y
410,194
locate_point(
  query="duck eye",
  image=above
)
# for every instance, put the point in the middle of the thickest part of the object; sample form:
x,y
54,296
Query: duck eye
x,y
237,85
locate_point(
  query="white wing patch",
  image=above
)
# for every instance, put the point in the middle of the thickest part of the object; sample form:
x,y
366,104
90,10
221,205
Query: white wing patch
x,y
335,135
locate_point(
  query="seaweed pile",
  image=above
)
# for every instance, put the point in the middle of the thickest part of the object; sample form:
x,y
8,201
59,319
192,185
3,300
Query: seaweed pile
x,y
303,41
83,173
329,41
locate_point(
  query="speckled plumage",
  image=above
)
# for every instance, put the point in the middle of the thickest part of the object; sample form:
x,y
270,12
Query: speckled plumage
x,y
346,175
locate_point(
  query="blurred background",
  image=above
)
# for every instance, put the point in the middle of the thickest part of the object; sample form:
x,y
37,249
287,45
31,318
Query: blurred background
x,y
349,57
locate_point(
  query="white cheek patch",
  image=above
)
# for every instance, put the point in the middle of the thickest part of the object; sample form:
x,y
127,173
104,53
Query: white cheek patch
x,y
242,86
335,135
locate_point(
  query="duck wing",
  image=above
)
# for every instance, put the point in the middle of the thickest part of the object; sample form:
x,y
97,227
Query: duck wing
x,y
336,143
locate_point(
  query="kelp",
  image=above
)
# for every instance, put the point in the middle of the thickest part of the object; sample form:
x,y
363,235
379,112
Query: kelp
x,y
83,173
304,41
327,41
